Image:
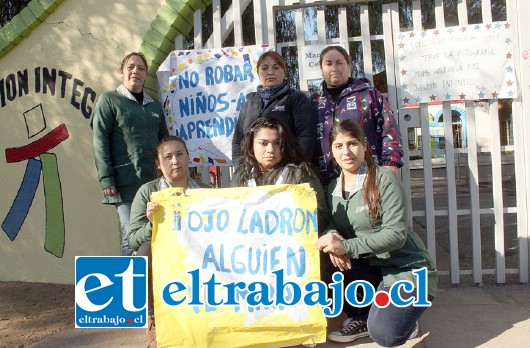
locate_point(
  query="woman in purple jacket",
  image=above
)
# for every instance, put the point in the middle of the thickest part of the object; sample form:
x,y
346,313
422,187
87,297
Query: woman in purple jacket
x,y
343,97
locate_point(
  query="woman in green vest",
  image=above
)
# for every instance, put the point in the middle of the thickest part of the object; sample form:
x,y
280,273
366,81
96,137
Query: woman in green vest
x,y
371,240
172,164
127,125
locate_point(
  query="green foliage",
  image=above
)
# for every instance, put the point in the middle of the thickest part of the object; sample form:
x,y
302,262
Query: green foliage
x,y
10,8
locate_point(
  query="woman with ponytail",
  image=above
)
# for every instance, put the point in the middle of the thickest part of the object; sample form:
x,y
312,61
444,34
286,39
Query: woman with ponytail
x,y
371,239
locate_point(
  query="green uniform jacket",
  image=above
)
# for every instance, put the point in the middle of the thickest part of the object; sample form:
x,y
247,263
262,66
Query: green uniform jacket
x,y
140,227
313,181
125,138
390,243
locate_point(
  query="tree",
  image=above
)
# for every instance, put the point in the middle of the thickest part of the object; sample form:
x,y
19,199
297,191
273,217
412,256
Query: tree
x,y
9,9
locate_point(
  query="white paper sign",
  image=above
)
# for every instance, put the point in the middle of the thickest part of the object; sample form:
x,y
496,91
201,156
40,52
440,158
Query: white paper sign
x,y
311,61
202,92
457,63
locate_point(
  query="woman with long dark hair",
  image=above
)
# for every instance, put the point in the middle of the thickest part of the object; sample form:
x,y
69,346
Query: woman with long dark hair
x,y
271,156
371,239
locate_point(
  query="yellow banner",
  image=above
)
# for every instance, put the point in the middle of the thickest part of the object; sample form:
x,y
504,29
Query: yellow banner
x,y
230,267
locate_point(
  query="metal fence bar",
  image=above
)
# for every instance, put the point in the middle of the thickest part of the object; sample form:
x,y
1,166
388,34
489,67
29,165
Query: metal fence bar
x,y
474,192
426,155
270,37
343,26
416,15
197,29
486,11
300,42
517,11
390,58
238,29
321,28
260,21
462,12
367,45
428,183
218,29
451,191
407,117
496,173
439,13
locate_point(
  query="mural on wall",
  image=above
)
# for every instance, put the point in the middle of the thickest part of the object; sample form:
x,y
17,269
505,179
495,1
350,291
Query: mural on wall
x,y
37,153
49,55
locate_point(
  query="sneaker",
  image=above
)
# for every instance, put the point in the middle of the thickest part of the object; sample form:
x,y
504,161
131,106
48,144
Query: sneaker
x,y
414,333
351,330
151,334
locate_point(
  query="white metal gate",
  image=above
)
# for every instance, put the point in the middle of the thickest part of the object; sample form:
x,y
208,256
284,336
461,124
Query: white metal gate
x,y
463,205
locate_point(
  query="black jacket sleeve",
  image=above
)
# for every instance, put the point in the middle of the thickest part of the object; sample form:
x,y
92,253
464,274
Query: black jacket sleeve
x,y
305,123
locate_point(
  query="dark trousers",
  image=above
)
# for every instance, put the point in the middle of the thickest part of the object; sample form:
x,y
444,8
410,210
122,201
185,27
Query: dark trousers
x,y
390,326
360,270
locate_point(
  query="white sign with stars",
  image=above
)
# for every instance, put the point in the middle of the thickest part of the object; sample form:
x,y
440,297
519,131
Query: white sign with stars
x,y
457,63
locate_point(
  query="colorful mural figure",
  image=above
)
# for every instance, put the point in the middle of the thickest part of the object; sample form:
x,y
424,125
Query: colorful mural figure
x,y
47,164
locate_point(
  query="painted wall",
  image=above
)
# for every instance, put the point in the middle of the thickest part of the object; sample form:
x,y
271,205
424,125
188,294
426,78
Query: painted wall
x,y
56,58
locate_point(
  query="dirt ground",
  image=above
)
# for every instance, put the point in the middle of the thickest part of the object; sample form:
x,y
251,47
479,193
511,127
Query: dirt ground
x,y
29,312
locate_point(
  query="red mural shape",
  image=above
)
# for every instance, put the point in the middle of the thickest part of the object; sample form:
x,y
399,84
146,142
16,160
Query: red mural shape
x,y
34,149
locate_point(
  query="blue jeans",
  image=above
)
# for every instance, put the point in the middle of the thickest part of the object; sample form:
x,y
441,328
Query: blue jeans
x,y
390,326
124,213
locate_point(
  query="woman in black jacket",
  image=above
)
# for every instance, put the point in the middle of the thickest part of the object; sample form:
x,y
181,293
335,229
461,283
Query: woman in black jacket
x,y
275,98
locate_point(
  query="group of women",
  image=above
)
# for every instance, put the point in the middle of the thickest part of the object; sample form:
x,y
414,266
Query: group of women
x,y
345,143
354,158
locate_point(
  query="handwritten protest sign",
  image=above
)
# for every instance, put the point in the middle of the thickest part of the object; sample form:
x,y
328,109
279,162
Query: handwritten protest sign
x,y
457,63
219,255
202,92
